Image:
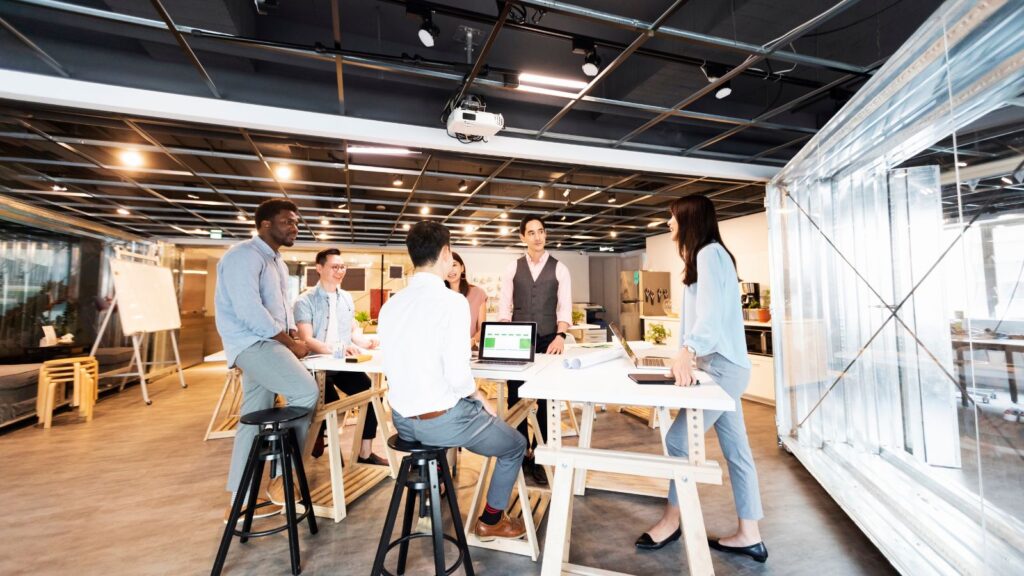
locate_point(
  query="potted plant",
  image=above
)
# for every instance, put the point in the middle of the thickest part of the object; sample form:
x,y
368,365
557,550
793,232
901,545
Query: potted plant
x,y
363,317
657,333
578,316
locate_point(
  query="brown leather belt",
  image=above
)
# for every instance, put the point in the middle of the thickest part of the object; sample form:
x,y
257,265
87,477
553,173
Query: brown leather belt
x,y
431,415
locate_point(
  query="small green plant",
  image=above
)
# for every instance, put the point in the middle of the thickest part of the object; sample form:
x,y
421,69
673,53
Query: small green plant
x,y
363,317
657,333
578,316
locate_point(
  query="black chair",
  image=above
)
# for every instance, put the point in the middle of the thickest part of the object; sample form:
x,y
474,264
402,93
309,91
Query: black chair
x,y
420,475
273,443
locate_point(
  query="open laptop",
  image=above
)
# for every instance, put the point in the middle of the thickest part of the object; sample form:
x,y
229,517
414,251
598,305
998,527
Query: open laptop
x,y
507,346
648,363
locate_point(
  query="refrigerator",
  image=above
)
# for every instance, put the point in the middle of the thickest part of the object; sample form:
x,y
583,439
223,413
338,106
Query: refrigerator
x,y
642,293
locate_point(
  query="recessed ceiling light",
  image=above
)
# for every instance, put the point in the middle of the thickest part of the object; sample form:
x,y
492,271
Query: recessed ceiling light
x,y
563,217
504,215
469,228
380,151
283,172
540,192
405,226
559,245
474,242
322,236
241,217
397,181
381,208
425,210
131,158
123,211
543,80
614,234
325,222
463,186
503,231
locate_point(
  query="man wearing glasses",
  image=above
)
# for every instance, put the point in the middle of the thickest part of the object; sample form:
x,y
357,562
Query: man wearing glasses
x,y
325,319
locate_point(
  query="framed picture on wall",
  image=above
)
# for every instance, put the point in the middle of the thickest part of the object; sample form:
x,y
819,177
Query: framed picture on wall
x,y
355,280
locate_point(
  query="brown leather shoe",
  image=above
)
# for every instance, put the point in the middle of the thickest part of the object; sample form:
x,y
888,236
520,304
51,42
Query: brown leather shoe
x,y
505,528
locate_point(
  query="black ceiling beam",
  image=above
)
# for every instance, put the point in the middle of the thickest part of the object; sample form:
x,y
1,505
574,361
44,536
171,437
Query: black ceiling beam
x,y
620,59
752,59
338,61
481,56
183,43
39,52
408,198
481,18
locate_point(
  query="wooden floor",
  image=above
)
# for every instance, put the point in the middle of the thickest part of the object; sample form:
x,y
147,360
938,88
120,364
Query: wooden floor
x,y
137,491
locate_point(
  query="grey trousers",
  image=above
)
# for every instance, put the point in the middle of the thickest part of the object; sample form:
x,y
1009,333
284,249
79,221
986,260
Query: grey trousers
x,y
732,437
269,368
467,424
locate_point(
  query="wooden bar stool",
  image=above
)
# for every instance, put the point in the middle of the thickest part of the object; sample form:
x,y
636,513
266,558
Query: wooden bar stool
x,y
82,372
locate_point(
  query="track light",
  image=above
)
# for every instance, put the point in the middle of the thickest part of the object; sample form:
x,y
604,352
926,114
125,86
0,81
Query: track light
x,y
591,61
724,90
540,192
283,172
397,181
504,215
463,186
428,31
405,226
565,193
563,217
325,222
611,198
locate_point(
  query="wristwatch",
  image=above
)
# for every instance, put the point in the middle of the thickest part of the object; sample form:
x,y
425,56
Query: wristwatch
x,y
562,334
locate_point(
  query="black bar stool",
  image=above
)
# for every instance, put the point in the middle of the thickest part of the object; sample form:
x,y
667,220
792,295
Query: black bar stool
x,y
417,475
273,443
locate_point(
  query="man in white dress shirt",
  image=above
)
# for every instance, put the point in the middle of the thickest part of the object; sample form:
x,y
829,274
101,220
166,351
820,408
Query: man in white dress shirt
x,y
536,288
433,396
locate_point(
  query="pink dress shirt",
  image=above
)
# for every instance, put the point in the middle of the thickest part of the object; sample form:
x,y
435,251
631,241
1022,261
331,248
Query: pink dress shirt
x,y
563,310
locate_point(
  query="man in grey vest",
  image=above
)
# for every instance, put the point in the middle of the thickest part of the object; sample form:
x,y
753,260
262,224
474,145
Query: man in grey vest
x,y
536,288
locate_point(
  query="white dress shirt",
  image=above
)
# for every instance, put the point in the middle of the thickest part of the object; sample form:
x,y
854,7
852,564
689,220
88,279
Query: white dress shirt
x,y
423,334
563,310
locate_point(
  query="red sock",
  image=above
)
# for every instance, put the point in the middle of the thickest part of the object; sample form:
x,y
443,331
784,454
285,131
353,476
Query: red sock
x,y
491,516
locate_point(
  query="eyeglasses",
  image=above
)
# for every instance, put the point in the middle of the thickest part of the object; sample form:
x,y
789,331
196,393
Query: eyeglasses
x,y
338,267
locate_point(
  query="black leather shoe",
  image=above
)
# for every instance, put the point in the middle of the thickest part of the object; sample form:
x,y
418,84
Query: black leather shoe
x,y
645,542
756,551
540,477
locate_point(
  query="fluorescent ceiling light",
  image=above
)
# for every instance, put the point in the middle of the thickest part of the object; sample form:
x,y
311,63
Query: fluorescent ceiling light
x,y
551,81
381,150
546,91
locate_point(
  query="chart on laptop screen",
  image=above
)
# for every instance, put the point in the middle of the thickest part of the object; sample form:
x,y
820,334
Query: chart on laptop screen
x,y
511,342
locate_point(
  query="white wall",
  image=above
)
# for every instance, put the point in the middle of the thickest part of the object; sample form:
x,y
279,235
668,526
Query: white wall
x,y
485,265
746,238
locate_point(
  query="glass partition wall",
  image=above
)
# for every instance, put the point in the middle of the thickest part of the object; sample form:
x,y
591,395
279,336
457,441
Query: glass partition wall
x,y
898,259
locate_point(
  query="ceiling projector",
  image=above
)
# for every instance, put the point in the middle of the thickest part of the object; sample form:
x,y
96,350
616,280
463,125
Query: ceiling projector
x,y
467,122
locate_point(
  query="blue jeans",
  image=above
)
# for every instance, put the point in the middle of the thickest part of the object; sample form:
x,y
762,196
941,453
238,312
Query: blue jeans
x,y
467,424
732,437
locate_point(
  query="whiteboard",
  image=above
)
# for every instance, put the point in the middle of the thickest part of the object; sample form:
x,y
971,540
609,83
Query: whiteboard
x,y
146,301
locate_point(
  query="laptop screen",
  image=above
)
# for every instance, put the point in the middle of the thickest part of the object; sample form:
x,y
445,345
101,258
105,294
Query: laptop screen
x,y
622,341
508,341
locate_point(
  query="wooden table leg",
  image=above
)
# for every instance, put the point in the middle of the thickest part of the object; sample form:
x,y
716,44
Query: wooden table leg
x,y
556,542
337,475
664,423
695,435
586,435
695,537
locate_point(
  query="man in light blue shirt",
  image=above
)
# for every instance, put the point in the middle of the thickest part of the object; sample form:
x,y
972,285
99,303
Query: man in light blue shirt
x,y
256,326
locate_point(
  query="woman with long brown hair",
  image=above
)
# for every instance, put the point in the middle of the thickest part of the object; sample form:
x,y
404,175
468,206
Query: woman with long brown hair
x,y
711,334
456,280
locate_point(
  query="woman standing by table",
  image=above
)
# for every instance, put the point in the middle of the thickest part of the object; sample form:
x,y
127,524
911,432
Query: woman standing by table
x,y
456,280
712,335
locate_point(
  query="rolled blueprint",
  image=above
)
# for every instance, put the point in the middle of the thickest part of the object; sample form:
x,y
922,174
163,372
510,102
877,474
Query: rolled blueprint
x,y
591,358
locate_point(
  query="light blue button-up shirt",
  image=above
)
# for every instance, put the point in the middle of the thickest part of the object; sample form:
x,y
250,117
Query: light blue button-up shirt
x,y
712,316
312,307
251,298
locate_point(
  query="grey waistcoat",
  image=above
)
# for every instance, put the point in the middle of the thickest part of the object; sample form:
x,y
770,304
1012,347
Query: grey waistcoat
x,y
536,301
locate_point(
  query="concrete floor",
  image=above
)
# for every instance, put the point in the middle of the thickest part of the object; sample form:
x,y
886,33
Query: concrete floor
x,y
137,491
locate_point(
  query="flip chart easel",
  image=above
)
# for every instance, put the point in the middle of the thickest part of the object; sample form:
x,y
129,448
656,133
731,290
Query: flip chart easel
x,y
144,291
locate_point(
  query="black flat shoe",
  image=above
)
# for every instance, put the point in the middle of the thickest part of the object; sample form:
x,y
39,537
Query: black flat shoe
x,y
645,542
540,477
756,551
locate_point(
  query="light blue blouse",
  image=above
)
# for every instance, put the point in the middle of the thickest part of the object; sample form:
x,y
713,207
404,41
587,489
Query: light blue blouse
x,y
712,316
